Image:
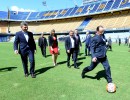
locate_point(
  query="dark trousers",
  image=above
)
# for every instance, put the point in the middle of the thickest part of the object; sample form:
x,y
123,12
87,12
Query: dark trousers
x,y
87,50
129,45
110,47
74,53
24,58
119,43
105,63
43,51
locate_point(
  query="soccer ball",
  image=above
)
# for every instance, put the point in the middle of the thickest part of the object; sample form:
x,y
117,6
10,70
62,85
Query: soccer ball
x,y
111,87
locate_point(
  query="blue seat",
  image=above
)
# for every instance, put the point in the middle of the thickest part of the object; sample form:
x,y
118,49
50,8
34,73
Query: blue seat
x,y
68,12
94,8
125,3
3,15
108,6
101,6
116,4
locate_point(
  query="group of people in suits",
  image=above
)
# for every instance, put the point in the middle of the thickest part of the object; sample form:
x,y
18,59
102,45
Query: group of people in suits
x,y
24,45
72,45
53,45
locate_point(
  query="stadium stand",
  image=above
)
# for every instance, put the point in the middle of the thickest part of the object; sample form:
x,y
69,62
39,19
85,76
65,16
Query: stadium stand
x,y
93,8
112,14
110,21
45,26
3,27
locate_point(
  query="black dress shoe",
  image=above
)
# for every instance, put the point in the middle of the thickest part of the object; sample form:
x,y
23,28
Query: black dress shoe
x,y
26,75
77,68
33,75
83,75
68,66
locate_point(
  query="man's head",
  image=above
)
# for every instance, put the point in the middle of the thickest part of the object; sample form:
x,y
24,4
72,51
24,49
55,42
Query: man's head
x,y
100,30
24,26
71,33
87,33
76,31
42,35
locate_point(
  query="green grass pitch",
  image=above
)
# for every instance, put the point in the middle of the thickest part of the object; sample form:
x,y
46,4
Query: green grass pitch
x,y
62,83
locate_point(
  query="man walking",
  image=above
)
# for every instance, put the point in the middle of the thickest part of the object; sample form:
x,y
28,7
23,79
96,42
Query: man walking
x,y
24,41
109,43
42,43
87,44
70,46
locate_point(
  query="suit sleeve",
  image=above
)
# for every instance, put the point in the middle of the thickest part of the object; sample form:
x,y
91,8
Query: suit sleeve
x,y
80,41
46,42
57,40
66,44
50,41
16,42
39,42
92,47
33,42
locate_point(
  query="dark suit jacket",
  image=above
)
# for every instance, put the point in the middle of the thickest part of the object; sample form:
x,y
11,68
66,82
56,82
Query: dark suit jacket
x,y
68,44
87,40
51,40
21,43
98,46
78,41
42,42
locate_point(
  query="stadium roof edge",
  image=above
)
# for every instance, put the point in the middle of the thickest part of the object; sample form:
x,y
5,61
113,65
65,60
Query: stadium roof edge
x,y
85,15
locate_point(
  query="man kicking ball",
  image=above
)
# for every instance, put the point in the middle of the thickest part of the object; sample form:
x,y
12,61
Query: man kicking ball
x,y
98,51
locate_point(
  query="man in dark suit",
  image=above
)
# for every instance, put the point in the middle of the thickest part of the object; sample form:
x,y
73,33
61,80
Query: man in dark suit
x,y
87,44
70,45
119,40
98,50
42,43
78,41
109,41
24,41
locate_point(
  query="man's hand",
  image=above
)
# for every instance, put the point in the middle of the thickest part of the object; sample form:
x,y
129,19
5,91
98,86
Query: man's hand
x,y
52,49
68,51
16,52
94,59
80,47
35,51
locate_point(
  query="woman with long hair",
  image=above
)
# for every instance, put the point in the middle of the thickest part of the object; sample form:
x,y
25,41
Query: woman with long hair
x,y
53,44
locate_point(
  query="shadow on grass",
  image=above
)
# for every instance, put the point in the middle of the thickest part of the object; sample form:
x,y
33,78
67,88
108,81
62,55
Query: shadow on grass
x,y
7,69
43,70
62,62
100,74
78,64
81,58
80,54
48,55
